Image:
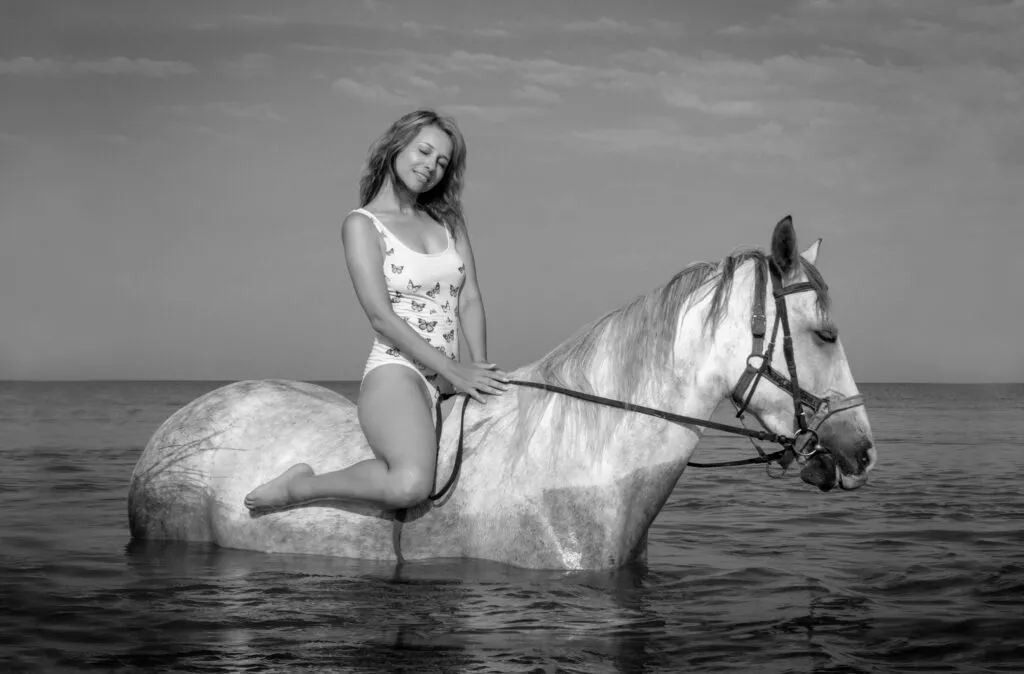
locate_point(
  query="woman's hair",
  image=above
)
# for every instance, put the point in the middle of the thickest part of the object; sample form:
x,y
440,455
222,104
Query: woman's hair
x,y
443,202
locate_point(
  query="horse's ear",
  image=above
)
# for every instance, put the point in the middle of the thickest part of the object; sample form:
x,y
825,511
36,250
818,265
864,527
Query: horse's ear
x,y
784,245
811,254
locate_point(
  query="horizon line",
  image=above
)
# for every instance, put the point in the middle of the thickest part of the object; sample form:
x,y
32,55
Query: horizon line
x,y
356,381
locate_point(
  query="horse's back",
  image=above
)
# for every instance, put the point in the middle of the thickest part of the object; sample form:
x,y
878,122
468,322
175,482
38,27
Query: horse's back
x,y
196,469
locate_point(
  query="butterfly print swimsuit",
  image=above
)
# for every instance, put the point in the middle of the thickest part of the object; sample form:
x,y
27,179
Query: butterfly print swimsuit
x,y
424,292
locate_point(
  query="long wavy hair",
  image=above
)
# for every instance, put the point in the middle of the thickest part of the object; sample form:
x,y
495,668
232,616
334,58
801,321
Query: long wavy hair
x,y
443,202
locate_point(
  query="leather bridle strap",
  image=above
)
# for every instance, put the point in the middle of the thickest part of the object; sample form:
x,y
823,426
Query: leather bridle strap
x,y
782,315
745,387
758,326
439,494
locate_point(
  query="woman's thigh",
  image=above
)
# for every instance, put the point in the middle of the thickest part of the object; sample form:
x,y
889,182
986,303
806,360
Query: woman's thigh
x,y
395,411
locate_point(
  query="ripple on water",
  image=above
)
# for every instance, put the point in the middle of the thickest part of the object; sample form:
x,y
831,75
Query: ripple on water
x,y
921,571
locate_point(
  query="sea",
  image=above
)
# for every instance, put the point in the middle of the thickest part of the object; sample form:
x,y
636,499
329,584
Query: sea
x,y
922,570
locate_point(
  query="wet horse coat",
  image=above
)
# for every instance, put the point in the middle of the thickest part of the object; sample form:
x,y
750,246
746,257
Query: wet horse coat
x,y
546,481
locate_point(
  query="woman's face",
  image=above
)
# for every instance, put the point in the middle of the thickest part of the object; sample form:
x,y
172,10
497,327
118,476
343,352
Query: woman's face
x,y
422,163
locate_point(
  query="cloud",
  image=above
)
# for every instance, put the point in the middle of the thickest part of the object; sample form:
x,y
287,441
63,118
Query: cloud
x,y
613,26
26,65
260,112
835,110
492,113
241,20
248,65
766,139
112,138
534,93
842,120
412,79
319,48
263,19
401,64
491,32
143,67
463,61
407,76
682,98
369,92
414,27
912,31
602,25
118,65
546,72
994,14
420,29
738,30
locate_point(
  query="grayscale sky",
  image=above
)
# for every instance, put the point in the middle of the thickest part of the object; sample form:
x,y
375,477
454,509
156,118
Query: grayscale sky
x,y
173,174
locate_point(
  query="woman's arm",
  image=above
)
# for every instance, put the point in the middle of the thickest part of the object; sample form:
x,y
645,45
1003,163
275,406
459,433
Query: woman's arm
x,y
365,265
471,304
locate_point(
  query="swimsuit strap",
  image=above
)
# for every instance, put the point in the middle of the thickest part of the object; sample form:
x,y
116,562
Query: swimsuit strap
x,y
387,232
373,218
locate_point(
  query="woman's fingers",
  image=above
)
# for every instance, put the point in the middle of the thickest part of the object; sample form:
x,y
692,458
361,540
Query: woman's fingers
x,y
494,370
488,380
474,393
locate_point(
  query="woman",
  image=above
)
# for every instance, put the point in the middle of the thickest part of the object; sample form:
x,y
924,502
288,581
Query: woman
x,y
410,261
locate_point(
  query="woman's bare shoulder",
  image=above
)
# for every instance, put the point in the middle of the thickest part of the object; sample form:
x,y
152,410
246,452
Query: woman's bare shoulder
x,y
358,221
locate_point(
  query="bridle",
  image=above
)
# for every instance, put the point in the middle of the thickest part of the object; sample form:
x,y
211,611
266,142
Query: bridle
x,y
803,444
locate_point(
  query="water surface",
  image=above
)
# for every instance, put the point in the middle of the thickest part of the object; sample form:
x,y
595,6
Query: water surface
x,y
920,571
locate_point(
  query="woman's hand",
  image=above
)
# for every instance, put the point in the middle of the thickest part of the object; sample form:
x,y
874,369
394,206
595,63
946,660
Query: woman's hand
x,y
477,379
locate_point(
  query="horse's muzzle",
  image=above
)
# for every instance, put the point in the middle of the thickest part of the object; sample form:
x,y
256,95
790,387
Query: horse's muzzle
x,y
820,471
825,472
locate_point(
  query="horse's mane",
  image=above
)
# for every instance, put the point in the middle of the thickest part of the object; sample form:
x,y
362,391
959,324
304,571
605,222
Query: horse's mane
x,y
637,340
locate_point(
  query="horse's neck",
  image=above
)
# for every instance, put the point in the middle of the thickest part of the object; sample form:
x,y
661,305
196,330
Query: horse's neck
x,y
601,444
691,388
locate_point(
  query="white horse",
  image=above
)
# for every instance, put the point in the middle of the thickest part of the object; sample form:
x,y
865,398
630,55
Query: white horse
x,y
545,480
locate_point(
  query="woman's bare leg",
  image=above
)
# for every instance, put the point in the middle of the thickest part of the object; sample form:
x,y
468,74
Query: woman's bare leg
x,y
395,414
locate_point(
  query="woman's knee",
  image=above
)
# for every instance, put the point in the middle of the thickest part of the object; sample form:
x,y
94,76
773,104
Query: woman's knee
x,y
407,488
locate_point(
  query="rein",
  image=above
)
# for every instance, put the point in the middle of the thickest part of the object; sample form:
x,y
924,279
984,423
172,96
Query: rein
x,y
765,436
804,443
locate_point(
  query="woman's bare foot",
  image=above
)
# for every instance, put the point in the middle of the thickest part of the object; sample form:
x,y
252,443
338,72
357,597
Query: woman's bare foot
x,y
275,494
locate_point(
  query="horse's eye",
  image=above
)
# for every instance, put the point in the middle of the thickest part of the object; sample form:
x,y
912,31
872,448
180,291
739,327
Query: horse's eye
x,y
827,334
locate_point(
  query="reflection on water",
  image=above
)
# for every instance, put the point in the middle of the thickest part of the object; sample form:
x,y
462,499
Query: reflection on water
x,y
460,615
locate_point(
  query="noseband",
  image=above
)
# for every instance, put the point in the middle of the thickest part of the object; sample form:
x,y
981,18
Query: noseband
x,y
805,443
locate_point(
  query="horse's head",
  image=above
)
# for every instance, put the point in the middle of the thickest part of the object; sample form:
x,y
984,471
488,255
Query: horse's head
x,y
833,437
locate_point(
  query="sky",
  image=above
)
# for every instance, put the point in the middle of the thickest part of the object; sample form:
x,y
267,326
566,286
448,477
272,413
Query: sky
x,y
173,175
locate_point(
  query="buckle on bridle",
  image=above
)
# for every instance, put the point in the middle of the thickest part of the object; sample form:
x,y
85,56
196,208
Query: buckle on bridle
x,y
760,365
803,439
759,325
